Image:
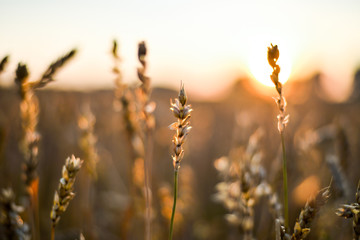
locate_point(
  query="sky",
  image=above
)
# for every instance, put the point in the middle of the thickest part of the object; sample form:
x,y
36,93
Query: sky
x,y
206,44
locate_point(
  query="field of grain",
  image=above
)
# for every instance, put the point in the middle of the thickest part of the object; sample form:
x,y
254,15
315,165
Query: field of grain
x,y
123,145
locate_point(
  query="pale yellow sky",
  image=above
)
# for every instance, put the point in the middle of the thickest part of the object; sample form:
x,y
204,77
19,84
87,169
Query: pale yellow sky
x,y
205,44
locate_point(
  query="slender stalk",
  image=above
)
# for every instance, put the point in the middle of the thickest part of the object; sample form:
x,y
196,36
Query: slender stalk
x,y
285,185
283,119
147,172
174,205
148,204
34,208
182,127
34,213
52,232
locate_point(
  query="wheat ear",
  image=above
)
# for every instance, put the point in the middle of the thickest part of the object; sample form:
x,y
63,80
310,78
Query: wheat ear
x,y
65,192
11,224
352,211
182,127
307,215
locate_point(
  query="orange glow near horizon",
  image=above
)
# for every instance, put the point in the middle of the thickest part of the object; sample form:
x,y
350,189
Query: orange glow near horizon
x,y
185,41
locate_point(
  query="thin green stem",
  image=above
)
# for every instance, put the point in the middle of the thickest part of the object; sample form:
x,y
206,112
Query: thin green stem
x,y
174,205
285,187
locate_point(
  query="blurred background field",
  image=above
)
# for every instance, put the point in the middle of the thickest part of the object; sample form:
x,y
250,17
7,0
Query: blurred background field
x,y
318,128
218,50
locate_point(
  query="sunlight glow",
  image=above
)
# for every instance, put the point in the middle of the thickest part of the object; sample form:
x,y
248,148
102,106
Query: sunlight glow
x,y
260,69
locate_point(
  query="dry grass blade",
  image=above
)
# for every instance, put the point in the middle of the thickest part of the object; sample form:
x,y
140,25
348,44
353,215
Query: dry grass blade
x,y
307,215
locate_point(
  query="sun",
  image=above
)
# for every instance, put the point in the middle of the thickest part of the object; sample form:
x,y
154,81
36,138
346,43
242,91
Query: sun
x,y
260,69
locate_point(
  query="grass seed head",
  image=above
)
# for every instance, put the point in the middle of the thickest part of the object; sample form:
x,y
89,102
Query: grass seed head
x,y
307,215
182,127
48,75
88,141
352,211
65,193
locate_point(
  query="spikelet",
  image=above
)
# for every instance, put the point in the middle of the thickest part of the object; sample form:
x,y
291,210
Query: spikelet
x,y
65,193
11,224
273,56
145,80
307,215
352,211
144,91
88,141
182,112
125,101
119,84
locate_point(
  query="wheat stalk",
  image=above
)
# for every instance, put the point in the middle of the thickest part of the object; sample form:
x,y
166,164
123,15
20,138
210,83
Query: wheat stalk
x,y
283,118
65,192
126,102
244,184
147,108
29,111
88,141
182,127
